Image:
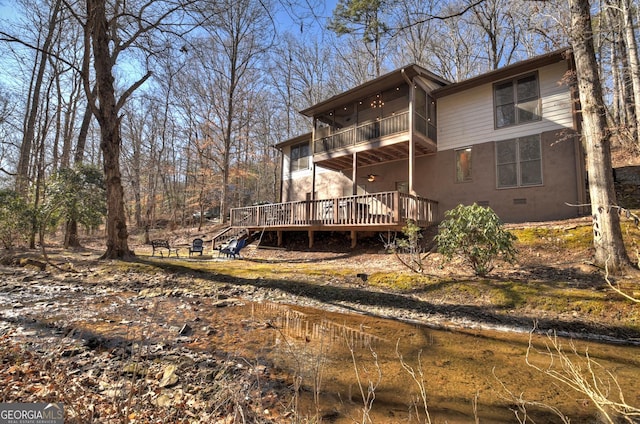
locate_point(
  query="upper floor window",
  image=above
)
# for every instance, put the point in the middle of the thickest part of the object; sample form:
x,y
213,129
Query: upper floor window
x,y
424,116
517,101
299,158
519,162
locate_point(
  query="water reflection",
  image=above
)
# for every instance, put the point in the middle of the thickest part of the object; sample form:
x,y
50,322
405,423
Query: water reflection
x,y
349,363
300,325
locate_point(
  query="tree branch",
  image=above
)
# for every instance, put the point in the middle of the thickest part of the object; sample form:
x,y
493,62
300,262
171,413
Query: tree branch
x,y
442,17
131,89
12,39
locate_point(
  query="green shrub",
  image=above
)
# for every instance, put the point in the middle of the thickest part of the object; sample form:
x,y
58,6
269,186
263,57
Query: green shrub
x,y
14,218
476,234
410,245
76,194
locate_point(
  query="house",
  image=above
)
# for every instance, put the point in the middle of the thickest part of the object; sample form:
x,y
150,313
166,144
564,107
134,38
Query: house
x,y
409,145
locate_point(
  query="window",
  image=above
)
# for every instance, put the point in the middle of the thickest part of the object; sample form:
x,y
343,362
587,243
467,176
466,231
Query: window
x,y
420,110
463,165
299,157
517,101
519,162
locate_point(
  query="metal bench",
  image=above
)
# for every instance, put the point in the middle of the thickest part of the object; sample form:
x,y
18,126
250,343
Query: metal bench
x,y
163,244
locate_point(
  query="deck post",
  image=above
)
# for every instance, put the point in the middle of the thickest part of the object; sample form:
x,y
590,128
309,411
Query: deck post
x,y
396,212
279,235
311,233
354,174
354,239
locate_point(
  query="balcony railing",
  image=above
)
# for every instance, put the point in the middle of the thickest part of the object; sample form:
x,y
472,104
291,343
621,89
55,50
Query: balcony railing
x,y
375,209
390,125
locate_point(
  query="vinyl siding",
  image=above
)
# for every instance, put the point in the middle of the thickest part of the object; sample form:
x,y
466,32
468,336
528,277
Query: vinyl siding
x,y
466,118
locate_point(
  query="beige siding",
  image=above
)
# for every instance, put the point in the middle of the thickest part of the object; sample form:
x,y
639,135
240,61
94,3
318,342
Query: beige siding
x,y
556,98
466,118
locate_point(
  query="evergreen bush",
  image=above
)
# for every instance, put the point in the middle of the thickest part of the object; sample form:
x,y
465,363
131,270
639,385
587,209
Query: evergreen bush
x,y
477,235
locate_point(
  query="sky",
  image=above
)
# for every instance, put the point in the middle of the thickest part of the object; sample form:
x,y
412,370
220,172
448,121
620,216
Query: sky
x,y
7,10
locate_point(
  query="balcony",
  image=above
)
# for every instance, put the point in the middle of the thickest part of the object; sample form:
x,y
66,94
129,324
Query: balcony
x,y
385,139
391,125
370,212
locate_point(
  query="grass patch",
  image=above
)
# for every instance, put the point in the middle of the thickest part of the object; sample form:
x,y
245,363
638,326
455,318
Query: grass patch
x,y
399,281
579,238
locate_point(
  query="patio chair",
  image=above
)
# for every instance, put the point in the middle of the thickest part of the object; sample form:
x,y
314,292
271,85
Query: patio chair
x,y
197,246
234,247
226,247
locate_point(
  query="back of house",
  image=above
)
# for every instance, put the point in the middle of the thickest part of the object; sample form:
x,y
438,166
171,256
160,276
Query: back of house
x,y
508,139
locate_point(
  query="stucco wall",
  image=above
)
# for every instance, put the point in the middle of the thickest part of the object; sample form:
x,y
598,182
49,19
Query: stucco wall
x,y
329,184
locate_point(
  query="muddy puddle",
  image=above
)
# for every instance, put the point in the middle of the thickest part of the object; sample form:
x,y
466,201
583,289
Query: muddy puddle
x,y
344,368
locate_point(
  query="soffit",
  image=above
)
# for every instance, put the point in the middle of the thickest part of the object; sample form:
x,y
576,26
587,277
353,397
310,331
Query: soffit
x,y
384,82
376,156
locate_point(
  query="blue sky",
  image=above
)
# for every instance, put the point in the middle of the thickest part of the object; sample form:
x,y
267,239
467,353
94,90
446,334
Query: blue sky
x,y
7,10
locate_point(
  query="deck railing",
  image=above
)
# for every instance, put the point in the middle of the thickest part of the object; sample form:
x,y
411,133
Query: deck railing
x,y
357,134
375,209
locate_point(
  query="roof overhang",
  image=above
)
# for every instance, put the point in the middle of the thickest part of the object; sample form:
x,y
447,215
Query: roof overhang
x,y
294,140
381,83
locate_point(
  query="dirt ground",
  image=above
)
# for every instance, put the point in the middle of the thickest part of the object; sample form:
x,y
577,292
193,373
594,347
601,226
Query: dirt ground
x,y
90,333
73,330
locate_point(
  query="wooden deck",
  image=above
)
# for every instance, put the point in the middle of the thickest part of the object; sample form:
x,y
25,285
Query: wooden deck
x,y
371,212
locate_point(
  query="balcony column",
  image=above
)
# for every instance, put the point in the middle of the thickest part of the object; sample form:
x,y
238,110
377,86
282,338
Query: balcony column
x,y
354,174
412,146
313,162
313,181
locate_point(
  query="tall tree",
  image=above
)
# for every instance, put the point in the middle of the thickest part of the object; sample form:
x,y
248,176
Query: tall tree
x,y
500,28
366,19
31,113
237,43
634,62
103,44
607,235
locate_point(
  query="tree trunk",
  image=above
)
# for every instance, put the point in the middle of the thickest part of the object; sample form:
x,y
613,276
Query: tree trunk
x,y
634,65
71,234
110,141
607,236
22,172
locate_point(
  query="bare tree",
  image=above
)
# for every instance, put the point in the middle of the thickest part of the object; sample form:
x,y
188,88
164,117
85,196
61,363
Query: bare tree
x,y
626,7
237,35
501,30
31,114
607,235
103,30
